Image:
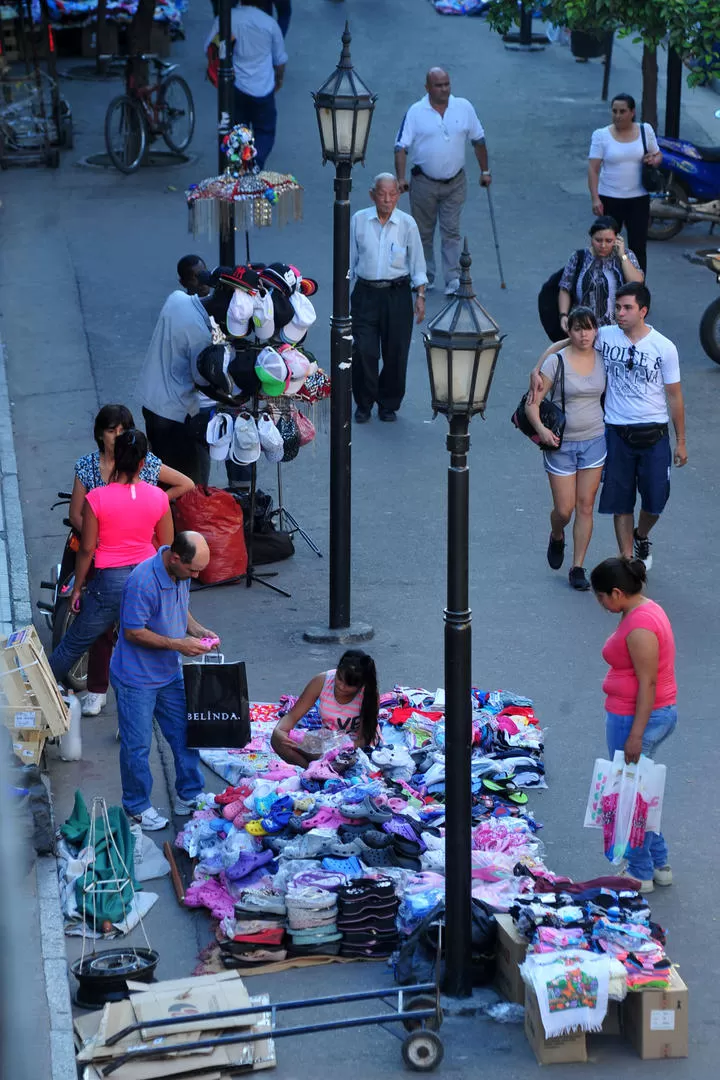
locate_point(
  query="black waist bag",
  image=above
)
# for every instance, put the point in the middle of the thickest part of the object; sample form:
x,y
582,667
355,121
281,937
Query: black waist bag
x,y
641,436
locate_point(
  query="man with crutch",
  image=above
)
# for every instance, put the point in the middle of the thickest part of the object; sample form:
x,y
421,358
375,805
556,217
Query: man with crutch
x,y
434,132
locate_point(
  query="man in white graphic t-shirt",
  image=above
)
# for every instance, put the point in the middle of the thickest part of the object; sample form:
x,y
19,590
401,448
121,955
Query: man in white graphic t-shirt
x,y
643,394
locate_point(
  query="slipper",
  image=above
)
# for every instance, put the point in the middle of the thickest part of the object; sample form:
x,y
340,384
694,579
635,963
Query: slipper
x,y
400,827
351,868
327,817
256,828
262,937
368,808
377,857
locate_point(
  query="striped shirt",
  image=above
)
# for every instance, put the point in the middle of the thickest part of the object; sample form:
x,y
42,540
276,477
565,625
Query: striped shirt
x,y
336,716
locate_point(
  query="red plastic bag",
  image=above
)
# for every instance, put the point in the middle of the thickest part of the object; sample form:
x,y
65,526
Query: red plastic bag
x,y
219,518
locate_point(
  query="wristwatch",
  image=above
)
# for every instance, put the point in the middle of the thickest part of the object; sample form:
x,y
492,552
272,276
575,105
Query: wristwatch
x,y
485,172
623,258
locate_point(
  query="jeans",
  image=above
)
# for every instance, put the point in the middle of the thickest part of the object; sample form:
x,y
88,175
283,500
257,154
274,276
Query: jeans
x,y
260,114
654,853
136,707
99,612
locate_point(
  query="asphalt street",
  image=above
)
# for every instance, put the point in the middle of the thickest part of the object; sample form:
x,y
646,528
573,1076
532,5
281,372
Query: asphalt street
x,y
86,260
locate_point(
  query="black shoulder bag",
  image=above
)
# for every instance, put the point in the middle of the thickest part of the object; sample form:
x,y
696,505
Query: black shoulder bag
x,y
552,416
651,176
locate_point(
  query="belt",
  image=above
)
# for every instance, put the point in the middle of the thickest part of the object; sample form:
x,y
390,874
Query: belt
x,y
395,283
417,171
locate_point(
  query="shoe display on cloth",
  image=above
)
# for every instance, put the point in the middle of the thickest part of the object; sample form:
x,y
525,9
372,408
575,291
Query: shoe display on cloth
x,y
452,287
151,820
362,415
92,704
662,875
555,552
578,579
387,415
641,549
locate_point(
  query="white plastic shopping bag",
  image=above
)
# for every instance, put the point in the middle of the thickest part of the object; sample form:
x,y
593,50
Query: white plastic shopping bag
x,y
652,789
600,785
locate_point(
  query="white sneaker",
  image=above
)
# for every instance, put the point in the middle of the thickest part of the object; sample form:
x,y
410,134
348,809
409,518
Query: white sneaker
x,y
452,287
150,820
93,703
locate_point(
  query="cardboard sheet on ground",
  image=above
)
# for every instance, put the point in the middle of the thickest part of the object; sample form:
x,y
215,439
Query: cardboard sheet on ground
x,y
157,1004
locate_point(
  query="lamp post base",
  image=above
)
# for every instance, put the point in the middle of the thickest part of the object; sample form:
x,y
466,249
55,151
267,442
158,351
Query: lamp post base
x,y
342,635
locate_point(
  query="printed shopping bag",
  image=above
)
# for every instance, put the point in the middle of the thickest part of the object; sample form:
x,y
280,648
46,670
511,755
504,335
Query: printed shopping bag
x,y
218,710
600,784
652,789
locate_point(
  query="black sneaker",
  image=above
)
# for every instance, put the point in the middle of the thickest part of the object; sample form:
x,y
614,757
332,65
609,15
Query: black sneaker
x,y
387,416
362,415
555,552
578,579
641,549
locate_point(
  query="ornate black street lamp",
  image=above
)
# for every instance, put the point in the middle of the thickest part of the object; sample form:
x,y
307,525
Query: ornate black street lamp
x,y
344,107
225,103
462,344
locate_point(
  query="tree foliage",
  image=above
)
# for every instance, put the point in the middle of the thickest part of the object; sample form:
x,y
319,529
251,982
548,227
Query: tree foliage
x,y
692,27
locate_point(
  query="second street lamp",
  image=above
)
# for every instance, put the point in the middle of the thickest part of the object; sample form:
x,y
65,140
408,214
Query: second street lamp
x,y
462,345
344,108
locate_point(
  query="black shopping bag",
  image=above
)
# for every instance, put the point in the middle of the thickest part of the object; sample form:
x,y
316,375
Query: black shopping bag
x,y
218,711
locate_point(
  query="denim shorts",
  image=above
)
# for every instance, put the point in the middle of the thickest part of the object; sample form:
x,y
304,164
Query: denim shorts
x,y
629,470
575,455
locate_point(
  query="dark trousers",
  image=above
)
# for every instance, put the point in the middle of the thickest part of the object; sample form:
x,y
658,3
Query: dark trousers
x,y
634,214
178,446
260,114
382,322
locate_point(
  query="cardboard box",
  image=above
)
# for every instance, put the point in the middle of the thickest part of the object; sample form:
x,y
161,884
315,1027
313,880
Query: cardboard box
x,y
22,718
559,1051
511,948
656,1021
28,745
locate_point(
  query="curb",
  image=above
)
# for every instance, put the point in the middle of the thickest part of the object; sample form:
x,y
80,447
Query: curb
x,y
16,610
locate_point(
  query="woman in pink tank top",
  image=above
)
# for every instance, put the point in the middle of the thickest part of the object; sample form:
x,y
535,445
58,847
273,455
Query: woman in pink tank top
x,y
348,702
123,524
640,689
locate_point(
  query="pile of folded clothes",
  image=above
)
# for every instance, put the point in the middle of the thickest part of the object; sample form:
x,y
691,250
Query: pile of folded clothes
x,y
367,918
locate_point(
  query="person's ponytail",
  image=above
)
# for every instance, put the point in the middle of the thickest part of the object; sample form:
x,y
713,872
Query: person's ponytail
x,y
131,449
357,668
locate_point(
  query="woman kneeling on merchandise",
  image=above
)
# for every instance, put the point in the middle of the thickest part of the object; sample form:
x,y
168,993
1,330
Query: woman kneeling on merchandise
x,y
119,523
640,688
348,702
574,470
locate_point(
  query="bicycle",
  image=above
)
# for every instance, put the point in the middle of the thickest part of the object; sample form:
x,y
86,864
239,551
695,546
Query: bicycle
x,y
162,109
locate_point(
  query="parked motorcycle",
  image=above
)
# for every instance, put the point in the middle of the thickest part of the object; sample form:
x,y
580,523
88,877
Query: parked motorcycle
x,y
710,322
58,613
692,187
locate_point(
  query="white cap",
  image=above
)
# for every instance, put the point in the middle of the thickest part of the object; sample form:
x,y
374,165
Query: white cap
x,y
239,314
246,441
219,435
271,440
263,317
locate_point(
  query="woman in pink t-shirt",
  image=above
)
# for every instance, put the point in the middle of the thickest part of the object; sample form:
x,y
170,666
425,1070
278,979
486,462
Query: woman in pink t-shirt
x,y
640,688
124,522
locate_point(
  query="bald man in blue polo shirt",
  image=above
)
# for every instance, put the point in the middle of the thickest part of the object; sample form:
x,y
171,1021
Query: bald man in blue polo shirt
x,y
156,629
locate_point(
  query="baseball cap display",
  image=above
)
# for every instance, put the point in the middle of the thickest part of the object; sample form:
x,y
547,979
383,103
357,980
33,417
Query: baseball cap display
x,y
241,277
303,318
272,372
246,441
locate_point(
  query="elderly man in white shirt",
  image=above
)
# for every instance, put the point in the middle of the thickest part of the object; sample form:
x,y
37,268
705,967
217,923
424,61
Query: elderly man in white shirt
x,y
259,60
434,132
386,266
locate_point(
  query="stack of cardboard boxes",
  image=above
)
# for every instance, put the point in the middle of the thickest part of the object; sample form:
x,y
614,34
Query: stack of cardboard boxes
x,y
655,1022
98,1046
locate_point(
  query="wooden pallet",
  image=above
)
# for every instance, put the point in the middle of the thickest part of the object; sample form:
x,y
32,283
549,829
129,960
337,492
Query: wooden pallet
x,y
27,683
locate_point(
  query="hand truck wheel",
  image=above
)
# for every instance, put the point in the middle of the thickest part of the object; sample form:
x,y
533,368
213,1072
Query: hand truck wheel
x,y
428,1023
422,1051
